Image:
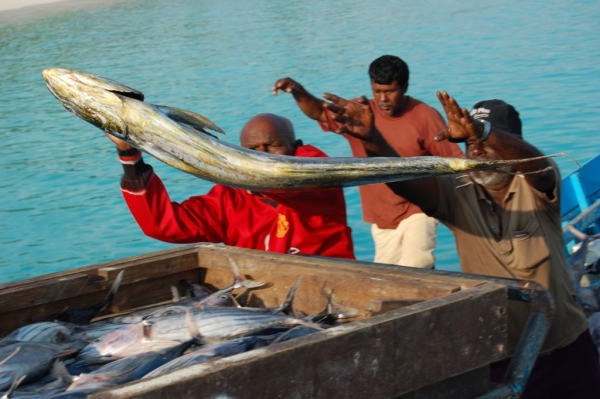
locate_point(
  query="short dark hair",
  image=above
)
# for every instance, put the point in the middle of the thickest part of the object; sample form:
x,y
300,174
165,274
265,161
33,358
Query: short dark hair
x,y
388,68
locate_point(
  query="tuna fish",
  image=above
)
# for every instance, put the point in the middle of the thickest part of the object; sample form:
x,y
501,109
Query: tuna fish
x,y
180,139
46,331
205,353
32,360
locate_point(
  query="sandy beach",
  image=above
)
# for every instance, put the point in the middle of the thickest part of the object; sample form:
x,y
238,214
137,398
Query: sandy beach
x,y
13,10
6,5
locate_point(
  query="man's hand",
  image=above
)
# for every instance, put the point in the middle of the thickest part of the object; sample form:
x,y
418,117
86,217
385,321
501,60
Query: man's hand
x,y
309,104
122,145
288,85
460,124
357,118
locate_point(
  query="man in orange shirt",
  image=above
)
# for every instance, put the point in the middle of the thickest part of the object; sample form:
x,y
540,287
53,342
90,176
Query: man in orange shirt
x,y
402,233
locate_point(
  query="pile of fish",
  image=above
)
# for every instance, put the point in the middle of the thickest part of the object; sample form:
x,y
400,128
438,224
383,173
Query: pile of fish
x,y
71,357
584,265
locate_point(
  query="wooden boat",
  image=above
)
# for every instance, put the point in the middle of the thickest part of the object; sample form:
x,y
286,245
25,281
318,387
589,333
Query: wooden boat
x,y
580,202
420,333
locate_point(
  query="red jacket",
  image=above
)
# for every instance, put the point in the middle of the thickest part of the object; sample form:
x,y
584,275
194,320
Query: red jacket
x,y
308,222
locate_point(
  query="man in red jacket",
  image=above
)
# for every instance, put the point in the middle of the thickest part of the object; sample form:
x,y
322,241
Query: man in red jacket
x,y
308,222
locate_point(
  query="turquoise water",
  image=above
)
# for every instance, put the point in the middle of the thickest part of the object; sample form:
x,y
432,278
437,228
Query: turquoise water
x,y
60,203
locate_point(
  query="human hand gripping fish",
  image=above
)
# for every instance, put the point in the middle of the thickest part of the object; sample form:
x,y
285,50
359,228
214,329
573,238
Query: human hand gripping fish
x,y
181,139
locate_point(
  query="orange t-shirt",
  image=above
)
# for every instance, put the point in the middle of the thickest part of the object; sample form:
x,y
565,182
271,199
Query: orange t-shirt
x,y
410,134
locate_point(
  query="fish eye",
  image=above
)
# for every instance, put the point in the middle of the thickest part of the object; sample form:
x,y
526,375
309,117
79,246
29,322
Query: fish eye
x,y
224,297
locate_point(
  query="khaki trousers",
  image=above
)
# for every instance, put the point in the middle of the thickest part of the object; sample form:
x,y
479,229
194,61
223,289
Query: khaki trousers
x,y
410,244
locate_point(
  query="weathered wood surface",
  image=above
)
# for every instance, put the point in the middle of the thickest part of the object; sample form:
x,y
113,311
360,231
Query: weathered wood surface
x,y
416,329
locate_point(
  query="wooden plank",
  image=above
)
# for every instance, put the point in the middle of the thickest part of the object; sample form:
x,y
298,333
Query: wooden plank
x,y
385,305
40,292
356,289
208,255
382,357
462,386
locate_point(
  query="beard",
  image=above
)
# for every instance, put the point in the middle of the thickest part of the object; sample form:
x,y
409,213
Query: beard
x,y
494,180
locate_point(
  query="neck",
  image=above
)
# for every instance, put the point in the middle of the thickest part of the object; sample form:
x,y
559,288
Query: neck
x,y
497,194
402,107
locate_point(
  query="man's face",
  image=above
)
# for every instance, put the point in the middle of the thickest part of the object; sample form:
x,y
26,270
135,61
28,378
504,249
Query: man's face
x,y
389,98
479,150
267,139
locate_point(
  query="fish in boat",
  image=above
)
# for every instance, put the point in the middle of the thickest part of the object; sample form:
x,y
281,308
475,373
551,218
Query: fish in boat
x,y
85,315
205,353
128,369
30,359
182,140
134,339
45,331
221,323
221,297
128,340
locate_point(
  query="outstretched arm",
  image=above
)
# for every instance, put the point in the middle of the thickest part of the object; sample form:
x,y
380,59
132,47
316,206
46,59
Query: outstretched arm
x,y
358,121
309,104
498,144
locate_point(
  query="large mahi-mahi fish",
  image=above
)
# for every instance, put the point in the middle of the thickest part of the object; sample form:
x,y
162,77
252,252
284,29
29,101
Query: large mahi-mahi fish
x,y
179,138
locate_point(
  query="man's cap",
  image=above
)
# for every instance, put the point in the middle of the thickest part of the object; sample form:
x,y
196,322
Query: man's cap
x,y
500,114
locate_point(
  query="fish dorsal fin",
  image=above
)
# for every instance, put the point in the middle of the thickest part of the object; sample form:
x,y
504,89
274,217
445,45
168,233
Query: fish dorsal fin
x,y
175,294
240,281
196,121
287,305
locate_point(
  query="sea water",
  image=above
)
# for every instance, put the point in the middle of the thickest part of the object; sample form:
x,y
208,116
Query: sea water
x,y
60,201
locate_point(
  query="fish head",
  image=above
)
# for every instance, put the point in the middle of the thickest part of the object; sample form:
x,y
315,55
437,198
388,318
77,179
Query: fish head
x,y
114,342
94,99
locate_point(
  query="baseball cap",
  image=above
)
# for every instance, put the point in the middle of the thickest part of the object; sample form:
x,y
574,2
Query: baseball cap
x,y
500,114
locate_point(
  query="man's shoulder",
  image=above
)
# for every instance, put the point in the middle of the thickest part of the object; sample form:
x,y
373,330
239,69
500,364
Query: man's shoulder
x,y
418,106
309,151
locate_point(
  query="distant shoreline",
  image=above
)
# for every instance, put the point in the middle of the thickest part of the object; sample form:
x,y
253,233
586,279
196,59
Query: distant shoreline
x,y
6,5
25,9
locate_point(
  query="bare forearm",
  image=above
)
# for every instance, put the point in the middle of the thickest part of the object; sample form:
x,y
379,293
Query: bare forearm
x,y
310,105
510,146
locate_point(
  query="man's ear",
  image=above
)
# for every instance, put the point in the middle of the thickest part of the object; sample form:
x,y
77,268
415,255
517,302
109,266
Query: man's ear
x,y
405,88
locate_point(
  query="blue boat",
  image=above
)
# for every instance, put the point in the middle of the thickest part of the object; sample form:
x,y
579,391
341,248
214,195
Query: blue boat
x,y
580,202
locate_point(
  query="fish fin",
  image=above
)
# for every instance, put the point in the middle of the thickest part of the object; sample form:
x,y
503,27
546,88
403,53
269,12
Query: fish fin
x,y
196,121
9,356
175,293
339,311
235,302
240,281
60,372
287,306
192,325
111,295
15,383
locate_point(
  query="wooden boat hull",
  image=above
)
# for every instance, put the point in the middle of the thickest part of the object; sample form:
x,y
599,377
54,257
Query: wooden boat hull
x,y
419,332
